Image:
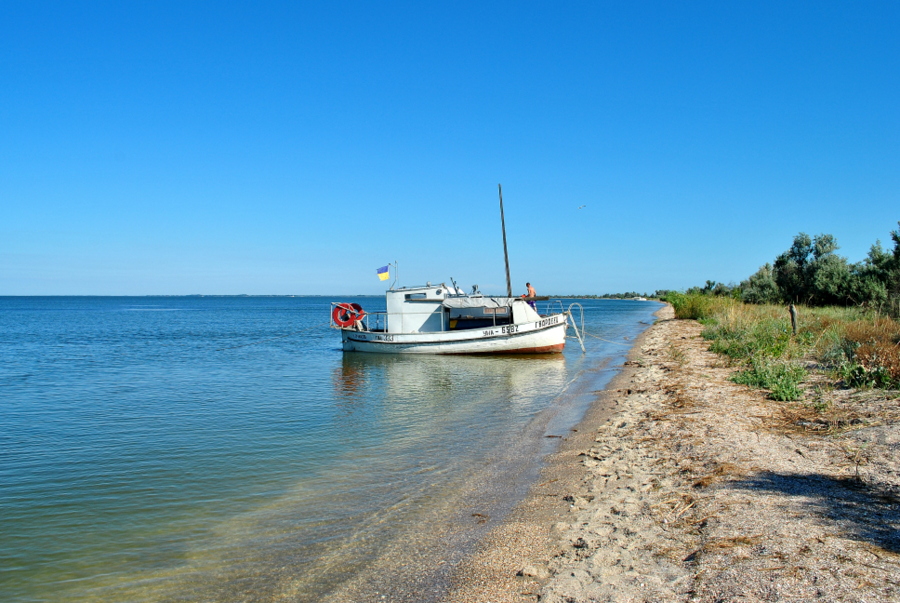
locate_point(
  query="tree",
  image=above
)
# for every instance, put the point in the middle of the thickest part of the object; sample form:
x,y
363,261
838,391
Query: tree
x,y
869,285
761,287
876,280
812,273
891,274
790,269
831,278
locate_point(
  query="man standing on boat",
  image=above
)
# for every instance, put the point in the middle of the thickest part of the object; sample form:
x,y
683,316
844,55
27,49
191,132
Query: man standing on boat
x,y
532,294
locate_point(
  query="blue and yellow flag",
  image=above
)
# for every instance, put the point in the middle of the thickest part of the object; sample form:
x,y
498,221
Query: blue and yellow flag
x,y
384,272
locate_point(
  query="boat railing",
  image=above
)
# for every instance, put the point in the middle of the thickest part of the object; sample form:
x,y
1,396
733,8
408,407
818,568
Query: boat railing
x,y
377,319
554,306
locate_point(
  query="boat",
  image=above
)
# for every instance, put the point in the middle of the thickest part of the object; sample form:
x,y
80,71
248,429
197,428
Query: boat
x,y
445,320
437,319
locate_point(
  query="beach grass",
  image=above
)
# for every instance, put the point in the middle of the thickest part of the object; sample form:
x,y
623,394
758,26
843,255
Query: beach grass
x,y
855,346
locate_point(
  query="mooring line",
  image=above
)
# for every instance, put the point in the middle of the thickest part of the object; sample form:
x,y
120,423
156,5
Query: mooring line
x,y
606,340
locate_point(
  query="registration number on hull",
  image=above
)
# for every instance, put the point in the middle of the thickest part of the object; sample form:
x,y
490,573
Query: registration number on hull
x,y
362,337
507,330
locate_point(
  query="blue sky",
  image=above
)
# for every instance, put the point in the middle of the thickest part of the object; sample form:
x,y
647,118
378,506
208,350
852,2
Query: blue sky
x,y
293,148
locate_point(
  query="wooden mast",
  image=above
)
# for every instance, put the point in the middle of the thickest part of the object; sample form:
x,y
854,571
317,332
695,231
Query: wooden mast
x,y
505,253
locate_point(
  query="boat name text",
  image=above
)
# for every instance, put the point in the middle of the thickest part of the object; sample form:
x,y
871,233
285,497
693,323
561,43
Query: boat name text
x,y
547,321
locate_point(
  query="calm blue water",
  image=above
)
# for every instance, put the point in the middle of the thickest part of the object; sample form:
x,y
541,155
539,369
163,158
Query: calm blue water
x,y
148,453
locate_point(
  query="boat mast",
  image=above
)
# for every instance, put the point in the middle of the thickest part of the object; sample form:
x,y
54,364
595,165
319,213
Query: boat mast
x,y
505,253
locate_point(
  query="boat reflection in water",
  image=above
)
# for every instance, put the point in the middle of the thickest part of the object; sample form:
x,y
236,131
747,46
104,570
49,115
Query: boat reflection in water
x,y
435,381
455,435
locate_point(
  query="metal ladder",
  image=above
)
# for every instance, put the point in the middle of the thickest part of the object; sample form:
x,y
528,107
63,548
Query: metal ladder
x,y
570,318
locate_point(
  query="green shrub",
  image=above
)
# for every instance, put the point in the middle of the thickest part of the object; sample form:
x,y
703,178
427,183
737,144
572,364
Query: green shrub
x,y
865,352
786,390
782,378
862,346
697,306
857,375
766,337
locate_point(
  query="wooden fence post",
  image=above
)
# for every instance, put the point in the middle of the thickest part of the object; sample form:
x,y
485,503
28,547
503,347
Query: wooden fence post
x,y
794,319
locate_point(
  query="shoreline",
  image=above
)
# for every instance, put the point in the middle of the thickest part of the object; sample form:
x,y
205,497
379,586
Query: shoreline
x,y
679,485
423,561
508,565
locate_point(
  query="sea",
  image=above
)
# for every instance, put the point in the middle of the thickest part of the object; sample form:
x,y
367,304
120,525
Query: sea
x,y
226,448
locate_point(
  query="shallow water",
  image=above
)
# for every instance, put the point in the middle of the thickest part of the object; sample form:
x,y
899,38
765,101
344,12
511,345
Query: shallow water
x,y
197,448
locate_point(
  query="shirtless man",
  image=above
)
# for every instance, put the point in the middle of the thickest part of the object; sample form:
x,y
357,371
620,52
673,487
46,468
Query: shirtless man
x,y
531,293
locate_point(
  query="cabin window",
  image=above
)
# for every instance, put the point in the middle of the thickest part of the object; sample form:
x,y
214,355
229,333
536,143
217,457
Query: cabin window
x,y
415,296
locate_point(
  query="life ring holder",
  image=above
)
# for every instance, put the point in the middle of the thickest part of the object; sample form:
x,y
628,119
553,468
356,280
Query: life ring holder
x,y
345,315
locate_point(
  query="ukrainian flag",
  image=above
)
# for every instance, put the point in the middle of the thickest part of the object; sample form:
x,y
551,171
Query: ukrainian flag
x,y
384,272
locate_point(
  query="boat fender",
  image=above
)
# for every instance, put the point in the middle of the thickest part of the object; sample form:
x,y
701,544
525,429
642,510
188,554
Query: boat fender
x,y
345,315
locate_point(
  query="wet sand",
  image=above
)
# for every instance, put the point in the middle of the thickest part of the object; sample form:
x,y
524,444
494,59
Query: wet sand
x,y
680,485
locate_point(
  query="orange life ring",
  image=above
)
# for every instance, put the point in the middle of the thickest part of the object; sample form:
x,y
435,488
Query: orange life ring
x,y
360,313
345,315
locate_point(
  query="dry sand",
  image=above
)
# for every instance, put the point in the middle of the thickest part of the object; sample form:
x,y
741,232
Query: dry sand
x,y
680,485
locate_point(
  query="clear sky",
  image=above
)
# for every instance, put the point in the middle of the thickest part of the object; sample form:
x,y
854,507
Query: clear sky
x,y
293,148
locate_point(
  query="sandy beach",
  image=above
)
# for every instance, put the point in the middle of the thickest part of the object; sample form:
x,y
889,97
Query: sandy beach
x,y
680,485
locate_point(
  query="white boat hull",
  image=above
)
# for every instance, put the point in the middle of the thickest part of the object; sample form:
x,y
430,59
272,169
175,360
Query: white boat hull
x,y
545,336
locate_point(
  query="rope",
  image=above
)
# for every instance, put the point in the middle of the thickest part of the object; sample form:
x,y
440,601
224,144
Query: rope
x,y
606,340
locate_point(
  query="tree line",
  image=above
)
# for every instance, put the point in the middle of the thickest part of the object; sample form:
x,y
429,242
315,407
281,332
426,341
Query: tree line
x,y
810,272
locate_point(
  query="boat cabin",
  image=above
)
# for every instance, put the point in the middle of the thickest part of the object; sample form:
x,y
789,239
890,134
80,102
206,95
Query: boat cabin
x,y
439,308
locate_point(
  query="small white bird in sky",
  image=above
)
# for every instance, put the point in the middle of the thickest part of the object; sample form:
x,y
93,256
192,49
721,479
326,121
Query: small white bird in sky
x,y
582,207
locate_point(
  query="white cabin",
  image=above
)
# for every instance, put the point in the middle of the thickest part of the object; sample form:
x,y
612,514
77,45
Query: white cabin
x,y
432,309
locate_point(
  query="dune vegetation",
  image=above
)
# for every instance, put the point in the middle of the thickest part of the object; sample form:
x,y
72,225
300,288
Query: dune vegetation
x,y
848,318
854,346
